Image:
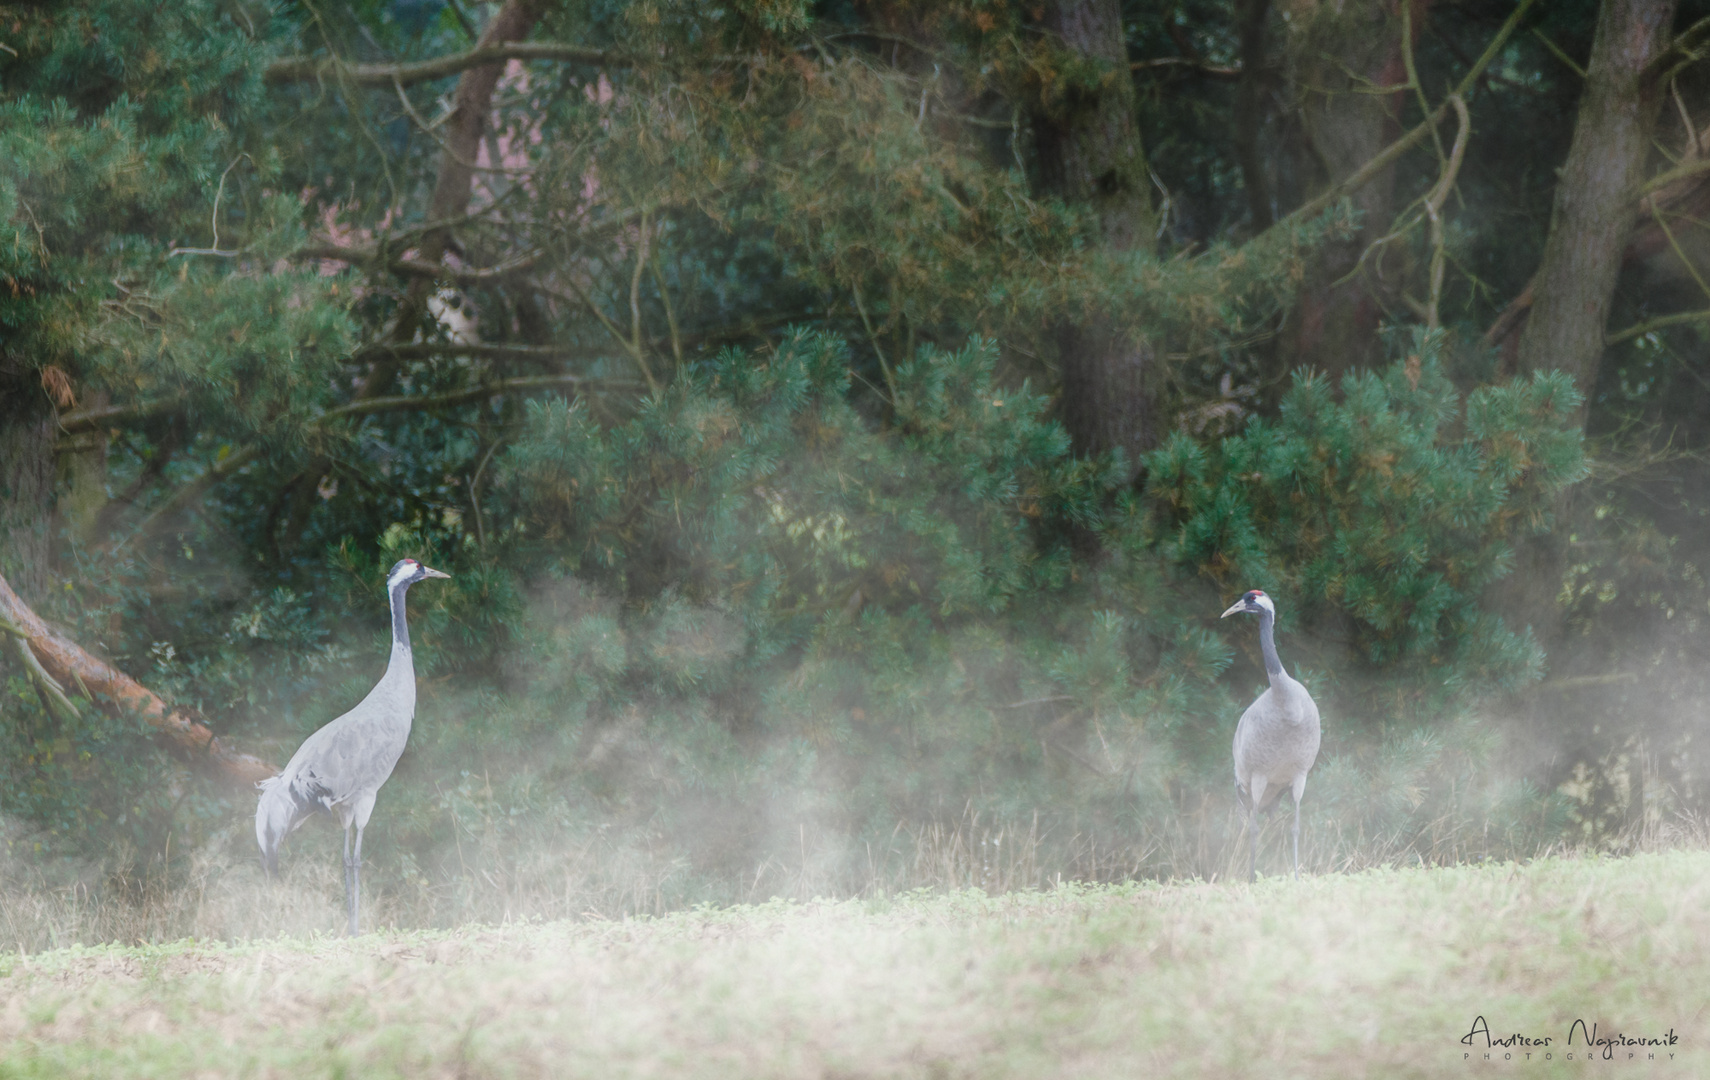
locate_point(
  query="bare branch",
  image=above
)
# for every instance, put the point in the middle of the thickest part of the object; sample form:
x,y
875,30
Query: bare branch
x,y
1211,71
304,68
423,350
192,490
424,402
370,256
366,406
1679,172
1679,318
1385,157
1434,209
1683,50
89,419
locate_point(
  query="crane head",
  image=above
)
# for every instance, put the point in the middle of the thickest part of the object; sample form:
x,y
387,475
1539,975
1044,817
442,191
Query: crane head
x,y
408,572
1253,602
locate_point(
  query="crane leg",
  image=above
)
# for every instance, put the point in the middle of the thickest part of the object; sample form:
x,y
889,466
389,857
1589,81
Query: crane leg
x,y
1257,792
349,912
1299,790
1297,839
1252,843
353,878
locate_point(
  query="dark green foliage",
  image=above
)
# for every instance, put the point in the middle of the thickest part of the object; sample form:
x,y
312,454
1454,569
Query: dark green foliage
x,y
1388,508
803,551
760,482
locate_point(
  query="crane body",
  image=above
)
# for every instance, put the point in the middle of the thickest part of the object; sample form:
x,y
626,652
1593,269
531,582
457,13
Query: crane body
x,y
1276,741
341,767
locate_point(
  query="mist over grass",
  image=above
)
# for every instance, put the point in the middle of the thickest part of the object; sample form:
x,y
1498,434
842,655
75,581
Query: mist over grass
x,y
1375,973
750,644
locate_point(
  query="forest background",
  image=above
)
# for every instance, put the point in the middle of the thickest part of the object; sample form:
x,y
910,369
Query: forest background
x,y
843,423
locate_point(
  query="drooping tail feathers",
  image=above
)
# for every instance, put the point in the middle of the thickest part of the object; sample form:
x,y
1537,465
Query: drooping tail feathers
x,y
284,805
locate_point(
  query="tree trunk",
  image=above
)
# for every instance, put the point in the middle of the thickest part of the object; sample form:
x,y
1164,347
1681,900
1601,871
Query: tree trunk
x,y
1338,55
464,129
453,185
26,482
1250,18
83,477
1090,153
1589,229
1599,185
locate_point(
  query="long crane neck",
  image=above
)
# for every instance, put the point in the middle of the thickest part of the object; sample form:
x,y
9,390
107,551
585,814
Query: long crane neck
x,y
1267,644
400,630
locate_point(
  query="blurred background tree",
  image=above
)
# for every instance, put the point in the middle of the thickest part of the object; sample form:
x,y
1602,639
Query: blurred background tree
x,y
843,420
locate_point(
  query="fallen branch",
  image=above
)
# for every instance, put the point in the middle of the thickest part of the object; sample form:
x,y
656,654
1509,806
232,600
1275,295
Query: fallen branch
x,y
66,663
304,68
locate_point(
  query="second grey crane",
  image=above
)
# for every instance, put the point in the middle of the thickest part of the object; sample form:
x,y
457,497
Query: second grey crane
x,y
340,767
1276,741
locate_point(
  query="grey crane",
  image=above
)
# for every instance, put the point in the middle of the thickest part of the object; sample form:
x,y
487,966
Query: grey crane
x,y
1276,741
340,767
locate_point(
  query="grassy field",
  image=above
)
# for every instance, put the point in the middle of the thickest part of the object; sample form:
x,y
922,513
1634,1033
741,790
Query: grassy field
x,y
1374,974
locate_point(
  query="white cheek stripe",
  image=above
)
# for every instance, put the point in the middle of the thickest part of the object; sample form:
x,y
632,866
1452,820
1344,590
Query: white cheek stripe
x,y
392,582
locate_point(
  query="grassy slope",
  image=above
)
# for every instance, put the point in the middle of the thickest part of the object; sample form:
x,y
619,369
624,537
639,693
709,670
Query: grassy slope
x,y
1378,973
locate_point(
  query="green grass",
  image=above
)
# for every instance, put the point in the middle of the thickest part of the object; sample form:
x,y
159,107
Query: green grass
x,y
1378,974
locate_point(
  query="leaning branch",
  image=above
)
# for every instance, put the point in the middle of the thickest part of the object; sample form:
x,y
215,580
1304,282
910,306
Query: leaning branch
x,y
331,68
65,663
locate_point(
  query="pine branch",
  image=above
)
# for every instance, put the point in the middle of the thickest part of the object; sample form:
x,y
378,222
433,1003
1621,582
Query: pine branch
x,y
305,68
117,415
237,459
88,419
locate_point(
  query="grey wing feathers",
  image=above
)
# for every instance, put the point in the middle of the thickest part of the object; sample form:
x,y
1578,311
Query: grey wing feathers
x,y
349,757
287,800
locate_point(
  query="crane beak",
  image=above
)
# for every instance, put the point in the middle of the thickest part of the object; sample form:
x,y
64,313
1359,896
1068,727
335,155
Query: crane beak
x,y
428,571
1235,609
